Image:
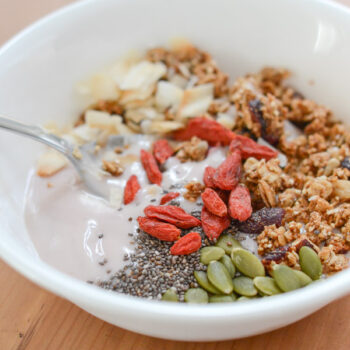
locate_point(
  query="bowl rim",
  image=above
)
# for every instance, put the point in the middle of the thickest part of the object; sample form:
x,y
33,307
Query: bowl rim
x,y
76,290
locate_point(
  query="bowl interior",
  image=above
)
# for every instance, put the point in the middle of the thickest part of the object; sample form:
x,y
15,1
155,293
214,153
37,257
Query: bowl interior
x,y
40,68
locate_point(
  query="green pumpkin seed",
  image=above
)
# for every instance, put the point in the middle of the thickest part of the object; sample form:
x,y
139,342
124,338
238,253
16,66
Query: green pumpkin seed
x,y
243,298
227,242
304,279
220,277
227,262
244,286
170,295
209,254
196,296
222,298
266,285
310,263
247,263
202,279
286,278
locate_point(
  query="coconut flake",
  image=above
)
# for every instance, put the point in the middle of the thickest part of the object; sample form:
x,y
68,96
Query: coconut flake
x,y
168,95
226,120
113,124
163,127
50,163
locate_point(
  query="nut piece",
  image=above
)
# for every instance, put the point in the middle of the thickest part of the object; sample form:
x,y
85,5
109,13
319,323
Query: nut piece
x,y
196,150
194,190
114,168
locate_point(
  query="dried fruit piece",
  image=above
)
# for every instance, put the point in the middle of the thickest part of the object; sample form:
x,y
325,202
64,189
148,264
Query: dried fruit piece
x,y
162,150
214,203
239,203
170,295
196,296
187,244
224,195
209,172
345,163
222,298
168,197
228,173
286,278
250,148
202,279
206,129
310,263
172,214
213,225
261,218
247,263
159,229
244,286
211,253
150,165
219,277
276,255
131,188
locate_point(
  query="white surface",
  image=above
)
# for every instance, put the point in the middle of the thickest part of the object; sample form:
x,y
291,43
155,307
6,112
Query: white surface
x,y
39,68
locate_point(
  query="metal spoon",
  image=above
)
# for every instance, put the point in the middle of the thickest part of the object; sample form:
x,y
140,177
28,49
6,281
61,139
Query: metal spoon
x,y
86,169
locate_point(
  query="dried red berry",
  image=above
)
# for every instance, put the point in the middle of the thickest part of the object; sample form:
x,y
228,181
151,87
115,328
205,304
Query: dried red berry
x,y
209,172
131,188
162,150
249,148
187,244
206,129
261,218
239,203
172,214
224,195
214,203
276,256
213,225
159,229
150,165
168,197
228,173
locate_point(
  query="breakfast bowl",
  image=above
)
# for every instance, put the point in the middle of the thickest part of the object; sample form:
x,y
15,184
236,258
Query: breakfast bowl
x,y
42,64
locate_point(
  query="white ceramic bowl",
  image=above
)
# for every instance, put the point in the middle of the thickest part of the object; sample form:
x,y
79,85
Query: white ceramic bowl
x,y
40,66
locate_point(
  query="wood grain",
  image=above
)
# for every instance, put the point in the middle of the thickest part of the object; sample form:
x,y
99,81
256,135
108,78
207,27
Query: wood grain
x,y
31,318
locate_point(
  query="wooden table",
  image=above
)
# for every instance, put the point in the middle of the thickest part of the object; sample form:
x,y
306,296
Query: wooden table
x,y
32,318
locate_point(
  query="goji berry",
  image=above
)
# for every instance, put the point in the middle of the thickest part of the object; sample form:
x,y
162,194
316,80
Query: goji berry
x,y
187,244
214,203
159,229
249,148
206,129
168,197
172,214
131,188
224,195
150,165
228,173
162,150
213,225
239,203
209,172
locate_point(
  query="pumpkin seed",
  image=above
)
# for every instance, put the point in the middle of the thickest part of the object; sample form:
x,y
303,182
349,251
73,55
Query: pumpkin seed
x,y
304,279
222,298
266,285
196,295
170,295
247,263
227,262
227,242
243,298
220,277
310,263
286,278
244,286
209,254
202,279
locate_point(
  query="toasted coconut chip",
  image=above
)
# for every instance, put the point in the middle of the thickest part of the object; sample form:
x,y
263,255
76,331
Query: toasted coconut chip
x,y
178,43
50,163
163,127
179,81
116,197
100,86
226,120
136,97
143,75
84,133
139,114
196,101
168,95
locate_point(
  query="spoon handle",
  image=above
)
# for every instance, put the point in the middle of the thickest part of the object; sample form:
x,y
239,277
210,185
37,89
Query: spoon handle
x,y
38,134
